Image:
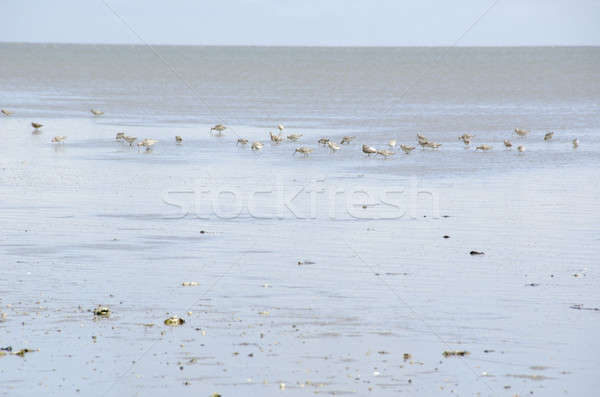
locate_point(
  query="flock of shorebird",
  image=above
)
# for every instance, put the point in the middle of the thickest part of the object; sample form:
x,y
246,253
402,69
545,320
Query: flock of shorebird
x,y
276,139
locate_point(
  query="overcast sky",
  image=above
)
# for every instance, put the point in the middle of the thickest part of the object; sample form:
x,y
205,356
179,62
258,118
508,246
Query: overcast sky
x,y
303,22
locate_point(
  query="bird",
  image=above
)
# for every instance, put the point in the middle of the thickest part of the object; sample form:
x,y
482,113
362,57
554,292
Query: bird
x,y
323,141
178,139
548,136
257,145
304,150
96,112
59,139
37,126
432,145
465,136
6,112
280,127
575,143
521,132
392,143
242,141
483,147
332,146
276,138
129,139
385,153
422,140
119,136
507,143
346,140
467,142
147,143
294,137
521,148
219,128
369,150
407,149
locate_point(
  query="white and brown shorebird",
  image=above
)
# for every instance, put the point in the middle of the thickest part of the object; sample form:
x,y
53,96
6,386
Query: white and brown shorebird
x,y
304,150
507,144
520,132
483,147
346,140
422,140
178,139
369,150
432,145
6,112
521,148
37,126
465,136
129,139
332,146
96,112
119,136
219,128
294,137
280,127
241,141
323,141
147,143
257,146
406,148
548,136
392,143
276,138
59,139
575,143
385,153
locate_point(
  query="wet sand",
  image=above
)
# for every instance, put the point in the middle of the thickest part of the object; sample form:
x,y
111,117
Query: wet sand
x,y
321,305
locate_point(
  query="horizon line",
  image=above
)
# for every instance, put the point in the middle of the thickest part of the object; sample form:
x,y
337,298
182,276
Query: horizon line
x,y
299,45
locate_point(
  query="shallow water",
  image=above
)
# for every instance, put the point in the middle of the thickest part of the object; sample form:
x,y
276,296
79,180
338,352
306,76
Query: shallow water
x,y
93,222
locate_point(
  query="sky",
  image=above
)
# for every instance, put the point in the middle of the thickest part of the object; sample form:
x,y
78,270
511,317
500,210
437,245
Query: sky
x,y
303,22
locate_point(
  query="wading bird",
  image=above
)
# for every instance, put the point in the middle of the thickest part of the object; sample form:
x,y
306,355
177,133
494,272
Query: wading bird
x,y
129,139
37,126
483,147
346,140
219,128
407,149
294,137
521,132
96,112
119,136
333,147
280,127
304,150
432,145
521,148
242,141
323,141
178,139
385,153
575,143
257,146
59,139
147,143
507,144
548,136
276,138
6,112
369,150
392,143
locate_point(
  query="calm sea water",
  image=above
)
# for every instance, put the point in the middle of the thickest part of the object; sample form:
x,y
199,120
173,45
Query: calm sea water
x,y
92,221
